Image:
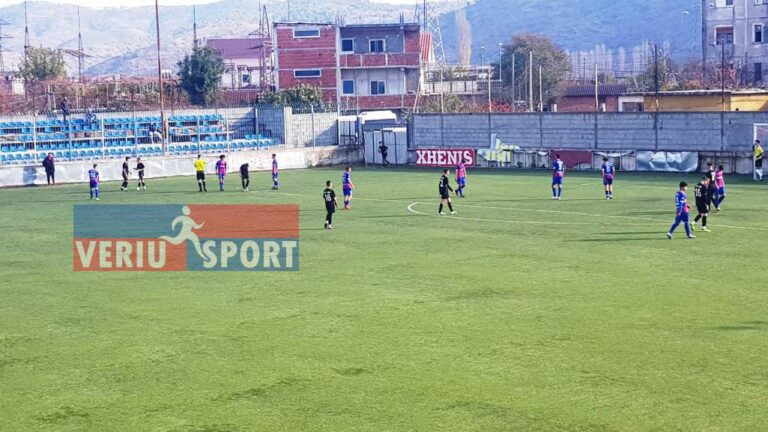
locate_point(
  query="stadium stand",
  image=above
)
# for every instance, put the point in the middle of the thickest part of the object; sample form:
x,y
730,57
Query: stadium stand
x,y
27,141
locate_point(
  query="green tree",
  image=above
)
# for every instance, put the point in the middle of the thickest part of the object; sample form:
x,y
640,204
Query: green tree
x,y
299,95
200,75
43,64
554,63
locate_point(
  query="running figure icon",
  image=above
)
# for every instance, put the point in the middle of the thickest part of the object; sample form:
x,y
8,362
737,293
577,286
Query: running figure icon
x,y
186,232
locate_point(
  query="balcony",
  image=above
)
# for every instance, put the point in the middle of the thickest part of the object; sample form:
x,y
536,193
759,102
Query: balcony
x,y
380,60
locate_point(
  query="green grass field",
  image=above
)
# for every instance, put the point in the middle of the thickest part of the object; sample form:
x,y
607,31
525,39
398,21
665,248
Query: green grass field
x,y
519,314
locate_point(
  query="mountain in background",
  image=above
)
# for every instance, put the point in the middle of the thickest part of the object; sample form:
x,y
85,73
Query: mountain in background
x,y
581,25
121,40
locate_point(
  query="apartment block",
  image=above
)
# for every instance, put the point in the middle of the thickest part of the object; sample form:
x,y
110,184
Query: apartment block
x,y
360,67
734,32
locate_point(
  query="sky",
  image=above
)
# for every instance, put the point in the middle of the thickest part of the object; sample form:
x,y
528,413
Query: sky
x,y
118,3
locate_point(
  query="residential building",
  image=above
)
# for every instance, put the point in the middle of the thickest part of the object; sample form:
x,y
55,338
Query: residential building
x,y
360,67
734,33
242,61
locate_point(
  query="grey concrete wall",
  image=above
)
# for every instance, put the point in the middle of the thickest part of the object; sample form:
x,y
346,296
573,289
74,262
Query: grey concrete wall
x,y
720,132
314,130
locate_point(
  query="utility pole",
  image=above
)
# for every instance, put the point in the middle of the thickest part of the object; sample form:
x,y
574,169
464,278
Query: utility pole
x,y
289,10
513,80
26,46
722,78
160,72
597,91
656,74
530,81
541,88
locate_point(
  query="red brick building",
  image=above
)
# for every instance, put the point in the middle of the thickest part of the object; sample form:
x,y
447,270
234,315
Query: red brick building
x,y
581,98
362,67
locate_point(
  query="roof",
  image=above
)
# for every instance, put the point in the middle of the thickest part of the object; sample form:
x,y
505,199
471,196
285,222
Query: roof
x,y
236,48
407,26
706,92
589,90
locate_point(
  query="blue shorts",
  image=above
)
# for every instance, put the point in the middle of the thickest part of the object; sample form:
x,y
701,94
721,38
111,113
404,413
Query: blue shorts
x,y
721,191
462,181
274,176
557,181
221,176
608,181
347,192
94,185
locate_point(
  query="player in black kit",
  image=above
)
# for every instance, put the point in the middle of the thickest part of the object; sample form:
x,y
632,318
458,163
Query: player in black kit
x,y
140,171
701,192
445,189
126,174
329,197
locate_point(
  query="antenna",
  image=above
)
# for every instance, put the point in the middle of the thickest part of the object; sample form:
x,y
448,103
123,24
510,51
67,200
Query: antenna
x,y
79,53
429,19
27,45
195,40
3,36
264,46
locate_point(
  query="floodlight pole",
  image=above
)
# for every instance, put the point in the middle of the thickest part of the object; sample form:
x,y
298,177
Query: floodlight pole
x,y
160,73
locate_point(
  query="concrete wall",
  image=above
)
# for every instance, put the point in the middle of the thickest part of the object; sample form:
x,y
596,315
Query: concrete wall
x,y
110,170
718,132
313,130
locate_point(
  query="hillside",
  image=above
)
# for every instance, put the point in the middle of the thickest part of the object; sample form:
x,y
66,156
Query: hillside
x,y
581,25
122,40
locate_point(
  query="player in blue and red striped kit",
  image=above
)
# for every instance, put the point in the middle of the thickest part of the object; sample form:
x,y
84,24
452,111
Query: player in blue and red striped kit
x,y
558,173
682,212
275,173
348,186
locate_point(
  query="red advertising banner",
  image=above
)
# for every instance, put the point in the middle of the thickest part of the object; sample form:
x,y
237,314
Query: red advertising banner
x,y
444,157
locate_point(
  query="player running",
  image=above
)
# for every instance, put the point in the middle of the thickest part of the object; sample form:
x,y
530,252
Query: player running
x,y
93,181
245,177
221,171
608,172
711,189
329,197
445,189
558,173
461,177
720,185
275,173
701,193
200,165
126,173
348,187
140,171
682,210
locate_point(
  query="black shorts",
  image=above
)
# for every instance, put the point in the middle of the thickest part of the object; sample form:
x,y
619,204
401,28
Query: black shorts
x,y
759,163
245,177
200,175
331,209
702,208
141,175
445,195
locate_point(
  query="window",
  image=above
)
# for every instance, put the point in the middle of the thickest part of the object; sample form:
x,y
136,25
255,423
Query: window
x,y
347,45
758,33
306,73
729,2
348,87
724,35
246,78
378,87
306,33
758,73
377,45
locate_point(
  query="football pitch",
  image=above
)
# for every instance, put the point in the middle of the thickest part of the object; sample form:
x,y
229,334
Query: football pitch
x,y
519,313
